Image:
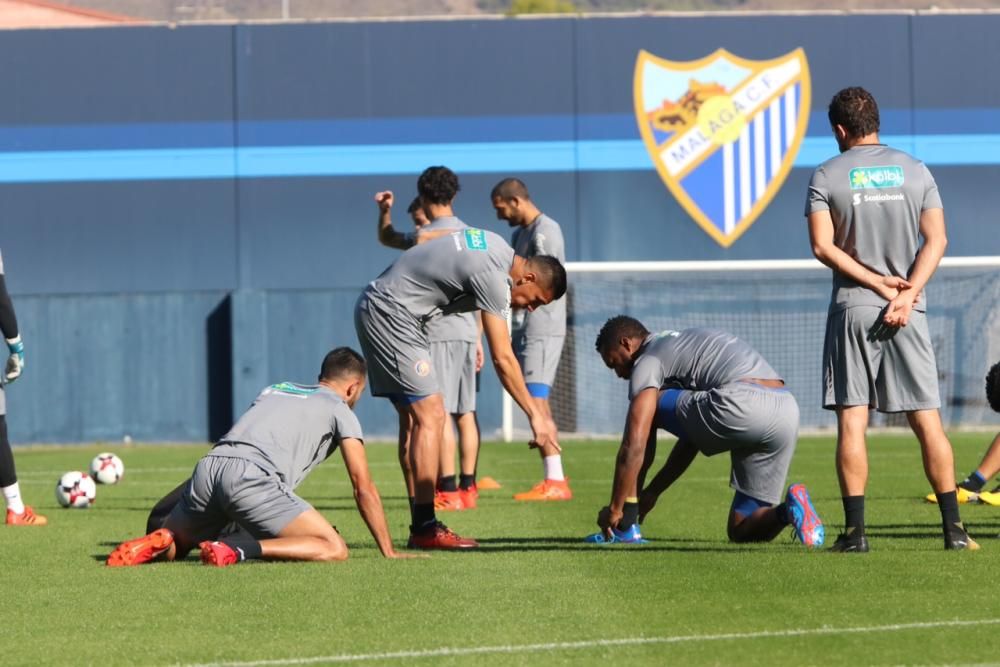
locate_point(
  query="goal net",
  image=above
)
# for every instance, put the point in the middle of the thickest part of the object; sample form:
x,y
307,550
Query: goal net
x,y
780,308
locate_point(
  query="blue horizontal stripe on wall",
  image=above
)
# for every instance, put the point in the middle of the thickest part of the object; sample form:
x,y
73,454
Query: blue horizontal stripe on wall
x,y
482,157
419,130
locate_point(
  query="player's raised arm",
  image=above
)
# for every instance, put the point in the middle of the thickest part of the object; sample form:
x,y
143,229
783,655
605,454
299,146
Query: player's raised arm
x,y
387,235
367,497
509,372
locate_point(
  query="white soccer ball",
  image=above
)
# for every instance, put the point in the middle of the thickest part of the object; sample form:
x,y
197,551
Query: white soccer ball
x,y
107,468
76,489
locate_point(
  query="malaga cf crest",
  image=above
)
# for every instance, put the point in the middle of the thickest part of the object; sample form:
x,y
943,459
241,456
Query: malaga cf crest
x,y
723,131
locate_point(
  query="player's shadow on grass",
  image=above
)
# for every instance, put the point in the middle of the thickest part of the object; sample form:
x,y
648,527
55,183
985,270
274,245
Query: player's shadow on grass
x,y
505,544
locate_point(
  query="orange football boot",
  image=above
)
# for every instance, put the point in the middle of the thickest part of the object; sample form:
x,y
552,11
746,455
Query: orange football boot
x,y
25,518
548,489
142,549
440,537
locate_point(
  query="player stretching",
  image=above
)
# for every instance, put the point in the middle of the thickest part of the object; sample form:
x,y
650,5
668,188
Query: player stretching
x,y
716,394
18,514
455,343
248,479
464,271
537,335
868,210
970,490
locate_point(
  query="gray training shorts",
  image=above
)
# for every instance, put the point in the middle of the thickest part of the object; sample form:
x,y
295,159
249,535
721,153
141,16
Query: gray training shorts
x,y
455,364
866,363
224,490
396,350
538,356
757,425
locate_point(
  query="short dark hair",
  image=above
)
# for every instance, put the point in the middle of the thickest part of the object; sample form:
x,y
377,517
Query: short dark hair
x,y
438,185
550,273
618,327
414,205
856,110
342,362
993,387
509,188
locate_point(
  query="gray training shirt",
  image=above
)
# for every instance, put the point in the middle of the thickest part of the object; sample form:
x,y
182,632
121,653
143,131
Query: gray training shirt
x,y
290,429
698,359
462,272
460,326
875,195
542,237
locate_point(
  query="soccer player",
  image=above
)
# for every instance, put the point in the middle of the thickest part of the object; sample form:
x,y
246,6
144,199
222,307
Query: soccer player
x,y
249,477
970,489
868,210
18,514
716,394
463,271
455,342
538,335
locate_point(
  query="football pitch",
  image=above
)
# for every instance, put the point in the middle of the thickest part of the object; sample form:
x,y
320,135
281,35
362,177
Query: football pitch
x,y
532,594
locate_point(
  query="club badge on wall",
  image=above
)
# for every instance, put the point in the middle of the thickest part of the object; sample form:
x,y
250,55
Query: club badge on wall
x,y
723,131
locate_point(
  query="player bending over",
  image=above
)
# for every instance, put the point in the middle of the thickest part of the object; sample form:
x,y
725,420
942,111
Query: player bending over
x,y
463,271
970,490
455,342
716,394
244,487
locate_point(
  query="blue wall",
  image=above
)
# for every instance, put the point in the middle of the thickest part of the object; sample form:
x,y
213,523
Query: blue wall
x,y
187,212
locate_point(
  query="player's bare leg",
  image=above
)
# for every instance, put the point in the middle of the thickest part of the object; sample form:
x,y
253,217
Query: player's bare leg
x,y
405,465
446,498
308,537
763,525
939,466
468,442
852,472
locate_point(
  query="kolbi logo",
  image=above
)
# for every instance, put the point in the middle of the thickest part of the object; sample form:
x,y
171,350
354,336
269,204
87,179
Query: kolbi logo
x,y
723,131
475,239
876,177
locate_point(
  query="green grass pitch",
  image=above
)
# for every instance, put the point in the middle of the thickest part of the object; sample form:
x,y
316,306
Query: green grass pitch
x,y
533,594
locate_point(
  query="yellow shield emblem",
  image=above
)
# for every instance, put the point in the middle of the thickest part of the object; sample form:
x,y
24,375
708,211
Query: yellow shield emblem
x,y
723,131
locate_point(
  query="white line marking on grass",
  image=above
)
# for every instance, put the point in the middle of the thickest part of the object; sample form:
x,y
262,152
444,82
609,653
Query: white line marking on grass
x,y
596,643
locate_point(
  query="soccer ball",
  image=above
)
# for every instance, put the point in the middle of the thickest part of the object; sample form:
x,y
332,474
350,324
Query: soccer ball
x,y
107,468
76,489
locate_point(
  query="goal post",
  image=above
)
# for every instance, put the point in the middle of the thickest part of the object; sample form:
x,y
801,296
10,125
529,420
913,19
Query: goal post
x,y
779,307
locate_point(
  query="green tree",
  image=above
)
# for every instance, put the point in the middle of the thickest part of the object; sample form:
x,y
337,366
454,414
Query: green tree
x,y
541,7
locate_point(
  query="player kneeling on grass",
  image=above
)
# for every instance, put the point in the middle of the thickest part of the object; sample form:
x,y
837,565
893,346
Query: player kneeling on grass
x,y
970,490
248,479
716,394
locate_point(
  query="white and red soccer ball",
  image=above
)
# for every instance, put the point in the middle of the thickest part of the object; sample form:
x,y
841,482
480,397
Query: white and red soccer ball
x,y
76,489
106,468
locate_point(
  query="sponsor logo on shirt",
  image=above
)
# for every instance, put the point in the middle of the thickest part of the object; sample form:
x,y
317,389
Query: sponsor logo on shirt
x,y
863,178
475,239
877,198
422,368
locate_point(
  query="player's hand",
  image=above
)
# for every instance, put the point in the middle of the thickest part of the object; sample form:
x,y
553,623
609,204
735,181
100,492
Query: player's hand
x,y
544,434
647,501
15,362
608,518
480,357
384,200
897,313
889,287
404,555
